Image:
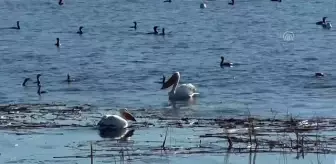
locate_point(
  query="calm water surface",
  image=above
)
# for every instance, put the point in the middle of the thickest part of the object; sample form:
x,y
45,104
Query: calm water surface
x,y
115,66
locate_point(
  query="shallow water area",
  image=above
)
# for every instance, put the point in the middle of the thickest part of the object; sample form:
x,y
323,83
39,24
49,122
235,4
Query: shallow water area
x,y
69,147
158,137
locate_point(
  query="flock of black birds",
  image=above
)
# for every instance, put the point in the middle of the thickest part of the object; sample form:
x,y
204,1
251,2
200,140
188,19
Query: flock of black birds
x,y
38,82
323,23
80,32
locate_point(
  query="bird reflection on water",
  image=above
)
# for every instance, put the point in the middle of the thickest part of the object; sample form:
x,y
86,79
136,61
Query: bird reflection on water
x,y
183,104
117,134
179,108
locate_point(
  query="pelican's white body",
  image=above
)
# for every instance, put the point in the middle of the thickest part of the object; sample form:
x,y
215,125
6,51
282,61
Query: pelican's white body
x,y
180,92
113,121
183,91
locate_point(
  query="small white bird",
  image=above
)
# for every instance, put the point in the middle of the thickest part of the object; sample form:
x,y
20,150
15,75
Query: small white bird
x,y
116,121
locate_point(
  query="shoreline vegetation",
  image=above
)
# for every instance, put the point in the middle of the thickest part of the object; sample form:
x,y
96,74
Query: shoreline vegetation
x,y
241,134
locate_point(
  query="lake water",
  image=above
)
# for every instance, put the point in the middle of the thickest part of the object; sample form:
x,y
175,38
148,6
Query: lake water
x,y
115,66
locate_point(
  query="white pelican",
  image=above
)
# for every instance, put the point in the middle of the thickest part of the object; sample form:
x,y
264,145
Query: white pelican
x,y
115,121
181,92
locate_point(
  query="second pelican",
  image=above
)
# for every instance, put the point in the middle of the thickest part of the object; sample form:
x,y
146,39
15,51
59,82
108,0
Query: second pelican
x,y
179,92
115,121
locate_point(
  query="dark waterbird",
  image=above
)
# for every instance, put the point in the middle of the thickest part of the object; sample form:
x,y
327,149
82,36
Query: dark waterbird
x,y
135,25
38,80
39,92
225,64
155,30
231,3
276,0
25,81
163,31
69,80
17,26
80,30
167,1
319,74
322,22
57,44
60,2
326,25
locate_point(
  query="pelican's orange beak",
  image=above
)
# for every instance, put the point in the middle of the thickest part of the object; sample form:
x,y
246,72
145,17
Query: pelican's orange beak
x,y
172,80
128,116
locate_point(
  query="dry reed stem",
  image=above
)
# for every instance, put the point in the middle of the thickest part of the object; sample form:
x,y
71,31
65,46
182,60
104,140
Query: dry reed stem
x,y
229,141
91,153
302,147
165,138
122,155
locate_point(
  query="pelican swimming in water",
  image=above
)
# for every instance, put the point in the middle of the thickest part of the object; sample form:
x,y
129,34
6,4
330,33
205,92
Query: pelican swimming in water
x,y
225,64
116,121
179,92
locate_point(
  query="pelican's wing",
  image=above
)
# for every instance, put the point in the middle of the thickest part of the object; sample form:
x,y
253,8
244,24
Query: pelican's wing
x,y
191,87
